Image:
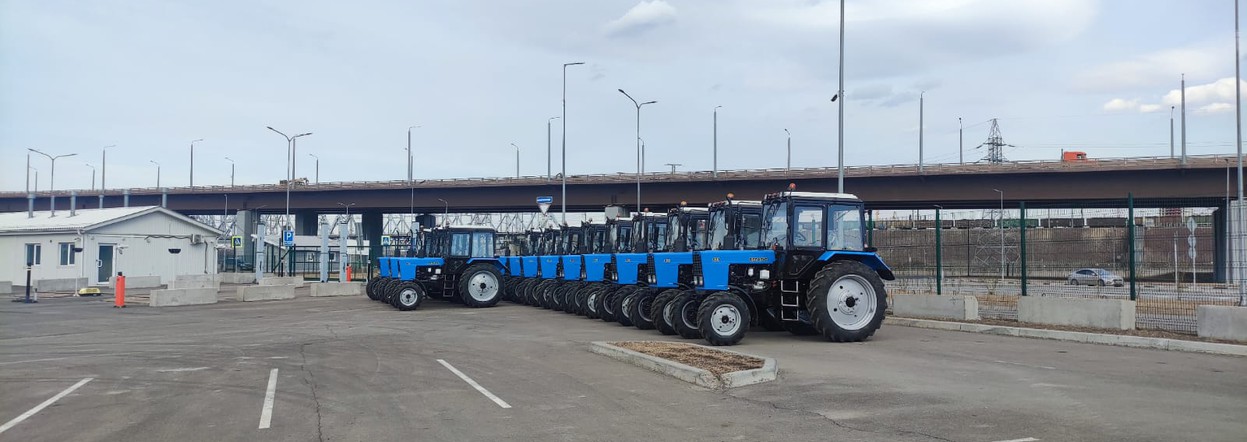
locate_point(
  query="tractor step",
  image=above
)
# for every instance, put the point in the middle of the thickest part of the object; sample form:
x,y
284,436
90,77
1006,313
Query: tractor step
x,y
789,286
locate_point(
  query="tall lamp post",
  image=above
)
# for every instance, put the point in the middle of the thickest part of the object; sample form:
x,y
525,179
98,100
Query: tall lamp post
x,y
36,178
92,176
317,166
715,166
638,145
549,157
104,165
192,179
410,162
789,167
290,154
1000,225
517,160
157,172
1238,128
52,181
921,97
564,126
231,171
961,146
840,95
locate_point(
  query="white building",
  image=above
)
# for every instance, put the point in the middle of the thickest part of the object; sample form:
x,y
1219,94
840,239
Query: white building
x,y
94,244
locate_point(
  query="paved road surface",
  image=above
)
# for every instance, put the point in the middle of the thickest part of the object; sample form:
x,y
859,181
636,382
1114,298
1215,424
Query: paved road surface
x,y
353,369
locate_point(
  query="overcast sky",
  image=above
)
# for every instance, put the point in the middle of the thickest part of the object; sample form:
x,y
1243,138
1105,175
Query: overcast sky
x,y
150,76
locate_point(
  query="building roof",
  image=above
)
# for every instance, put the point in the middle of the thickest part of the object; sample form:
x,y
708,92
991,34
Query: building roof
x,y
83,219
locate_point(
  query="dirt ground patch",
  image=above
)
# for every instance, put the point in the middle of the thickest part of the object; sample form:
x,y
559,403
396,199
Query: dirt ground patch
x,y
709,359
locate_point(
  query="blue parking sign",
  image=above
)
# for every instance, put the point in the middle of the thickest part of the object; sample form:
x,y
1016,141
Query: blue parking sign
x,y
287,237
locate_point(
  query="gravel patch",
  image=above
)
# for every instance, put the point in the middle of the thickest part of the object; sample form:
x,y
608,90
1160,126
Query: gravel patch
x,y
706,358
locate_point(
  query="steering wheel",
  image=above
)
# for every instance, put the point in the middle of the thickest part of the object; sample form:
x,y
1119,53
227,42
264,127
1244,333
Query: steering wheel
x,y
800,237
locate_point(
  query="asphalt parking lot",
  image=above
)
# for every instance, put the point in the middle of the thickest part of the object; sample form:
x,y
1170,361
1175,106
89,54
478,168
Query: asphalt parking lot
x,y
350,369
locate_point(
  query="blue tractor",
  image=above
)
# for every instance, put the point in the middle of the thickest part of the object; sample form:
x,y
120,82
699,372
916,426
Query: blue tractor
x,y
812,270
630,268
668,268
458,264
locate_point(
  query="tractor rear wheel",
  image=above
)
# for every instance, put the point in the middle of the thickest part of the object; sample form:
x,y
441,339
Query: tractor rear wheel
x,y
567,296
479,285
547,294
723,318
593,301
660,311
847,301
641,313
409,296
768,320
623,303
388,289
371,288
553,292
684,314
607,310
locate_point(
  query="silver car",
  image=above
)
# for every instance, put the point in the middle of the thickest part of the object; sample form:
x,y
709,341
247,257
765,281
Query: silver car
x,y
1099,277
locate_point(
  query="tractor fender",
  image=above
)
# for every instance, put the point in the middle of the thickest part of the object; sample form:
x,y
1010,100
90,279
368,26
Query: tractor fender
x,y
495,261
871,260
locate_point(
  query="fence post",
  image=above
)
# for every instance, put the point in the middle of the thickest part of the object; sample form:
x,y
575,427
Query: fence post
x,y
870,228
1022,245
939,255
1130,237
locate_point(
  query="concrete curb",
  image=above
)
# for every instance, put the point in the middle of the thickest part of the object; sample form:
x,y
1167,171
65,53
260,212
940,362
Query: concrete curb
x,y
1090,338
704,378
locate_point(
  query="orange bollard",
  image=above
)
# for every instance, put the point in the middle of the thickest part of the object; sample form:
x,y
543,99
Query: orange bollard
x,y
119,300
348,272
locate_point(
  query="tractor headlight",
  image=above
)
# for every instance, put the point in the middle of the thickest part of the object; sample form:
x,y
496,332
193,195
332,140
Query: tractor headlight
x,y
652,279
764,274
750,272
697,280
437,271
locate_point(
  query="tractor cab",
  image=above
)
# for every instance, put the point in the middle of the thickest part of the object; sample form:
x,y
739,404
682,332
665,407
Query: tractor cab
x,y
571,247
809,229
548,253
597,250
735,225
687,228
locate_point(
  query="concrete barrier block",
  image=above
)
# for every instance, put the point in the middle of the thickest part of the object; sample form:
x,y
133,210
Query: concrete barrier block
x,y
195,282
337,288
60,285
1221,322
295,281
137,282
265,292
236,278
6,286
1098,313
961,308
175,297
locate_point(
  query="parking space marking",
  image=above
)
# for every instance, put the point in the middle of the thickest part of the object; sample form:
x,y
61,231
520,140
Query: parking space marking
x,y
266,413
478,387
1025,439
1024,365
34,360
45,404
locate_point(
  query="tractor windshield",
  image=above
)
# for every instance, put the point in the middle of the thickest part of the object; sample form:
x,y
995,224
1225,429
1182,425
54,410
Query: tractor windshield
x,y
696,232
776,228
483,244
751,230
718,230
844,229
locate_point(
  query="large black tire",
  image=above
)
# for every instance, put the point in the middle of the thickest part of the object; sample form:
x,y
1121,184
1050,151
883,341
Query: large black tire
x,y
847,301
547,294
531,292
609,310
480,285
409,296
641,312
567,296
556,293
684,314
723,318
389,289
575,298
521,291
593,301
661,313
626,304
371,288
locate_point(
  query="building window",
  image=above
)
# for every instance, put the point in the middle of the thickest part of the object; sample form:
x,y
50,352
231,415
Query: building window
x,y
67,253
34,254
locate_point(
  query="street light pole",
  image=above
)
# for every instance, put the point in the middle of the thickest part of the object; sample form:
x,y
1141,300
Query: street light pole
x,y
1171,152
549,157
638,145
192,179
231,171
1238,127
52,181
36,178
789,167
317,166
715,171
290,150
157,172
1000,225
104,165
564,126
27,172
961,144
840,94
92,176
921,98
410,163
1183,119
517,160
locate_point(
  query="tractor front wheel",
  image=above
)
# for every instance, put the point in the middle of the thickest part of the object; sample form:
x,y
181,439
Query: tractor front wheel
x,y
723,318
847,301
641,312
409,296
684,314
661,311
624,305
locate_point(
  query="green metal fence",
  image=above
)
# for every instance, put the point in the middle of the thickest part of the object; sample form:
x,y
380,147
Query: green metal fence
x,y
1166,257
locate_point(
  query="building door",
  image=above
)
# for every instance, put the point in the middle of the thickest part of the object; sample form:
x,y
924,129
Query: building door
x,y
105,263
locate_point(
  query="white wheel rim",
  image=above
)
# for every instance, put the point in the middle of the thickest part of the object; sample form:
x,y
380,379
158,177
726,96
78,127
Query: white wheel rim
x,y
606,306
668,313
483,286
589,302
408,297
852,301
643,310
725,320
689,307
626,304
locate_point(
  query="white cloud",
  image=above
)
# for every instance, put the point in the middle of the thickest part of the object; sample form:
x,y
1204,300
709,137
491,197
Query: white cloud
x,y
1118,104
1208,98
1157,68
1214,108
645,15
1148,108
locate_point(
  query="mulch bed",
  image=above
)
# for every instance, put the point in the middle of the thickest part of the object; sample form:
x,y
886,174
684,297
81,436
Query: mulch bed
x,y
715,361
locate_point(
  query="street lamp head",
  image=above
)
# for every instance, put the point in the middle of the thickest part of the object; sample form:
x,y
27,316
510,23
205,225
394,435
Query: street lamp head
x,y
302,135
197,140
649,102
787,132
573,63
154,162
110,145
553,118
717,107
413,127
313,156
228,159
835,97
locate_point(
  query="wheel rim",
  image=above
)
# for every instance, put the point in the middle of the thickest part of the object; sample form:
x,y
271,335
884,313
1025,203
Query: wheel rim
x,y
643,308
483,286
607,306
408,297
589,302
852,301
668,314
688,314
625,305
725,320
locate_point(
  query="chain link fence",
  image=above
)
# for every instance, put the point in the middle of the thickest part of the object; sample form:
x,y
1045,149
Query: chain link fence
x,y
1167,257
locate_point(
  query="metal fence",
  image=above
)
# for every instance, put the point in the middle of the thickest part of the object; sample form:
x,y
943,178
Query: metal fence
x,y
1168,260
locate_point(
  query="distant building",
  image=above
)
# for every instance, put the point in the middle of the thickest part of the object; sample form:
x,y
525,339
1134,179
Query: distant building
x,y
87,246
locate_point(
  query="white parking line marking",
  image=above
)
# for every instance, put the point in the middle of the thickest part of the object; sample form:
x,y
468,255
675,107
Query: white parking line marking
x,y
266,413
478,387
45,404
1025,439
179,370
33,360
1025,365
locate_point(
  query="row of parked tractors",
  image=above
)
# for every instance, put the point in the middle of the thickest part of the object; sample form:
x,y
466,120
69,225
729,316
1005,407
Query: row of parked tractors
x,y
794,261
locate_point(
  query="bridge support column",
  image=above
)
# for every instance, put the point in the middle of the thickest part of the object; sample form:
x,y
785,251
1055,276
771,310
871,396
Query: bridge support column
x,y
245,223
305,223
370,228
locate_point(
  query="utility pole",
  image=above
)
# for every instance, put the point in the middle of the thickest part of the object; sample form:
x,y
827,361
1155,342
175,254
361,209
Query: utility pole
x,y
192,178
231,171
517,160
549,169
789,167
1238,127
840,95
920,110
715,172
961,142
564,125
104,165
1183,119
